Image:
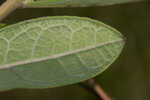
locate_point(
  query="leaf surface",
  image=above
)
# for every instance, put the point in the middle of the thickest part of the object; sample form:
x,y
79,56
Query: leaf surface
x,y
55,51
73,3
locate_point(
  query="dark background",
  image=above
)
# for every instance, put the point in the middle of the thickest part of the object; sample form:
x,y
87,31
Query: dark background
x,y
127,79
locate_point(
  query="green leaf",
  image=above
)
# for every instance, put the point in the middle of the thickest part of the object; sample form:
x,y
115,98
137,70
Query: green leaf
x,y
73,3
55,51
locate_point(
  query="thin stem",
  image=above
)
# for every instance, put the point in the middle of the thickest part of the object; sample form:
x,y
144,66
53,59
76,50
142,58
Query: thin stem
x,y
7,7
90,90
98,90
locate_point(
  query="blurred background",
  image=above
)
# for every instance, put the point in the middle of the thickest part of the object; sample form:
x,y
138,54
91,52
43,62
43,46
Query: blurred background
x,y
128,78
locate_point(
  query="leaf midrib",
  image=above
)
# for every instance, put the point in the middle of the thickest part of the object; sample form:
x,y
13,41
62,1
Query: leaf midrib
x,y
58,55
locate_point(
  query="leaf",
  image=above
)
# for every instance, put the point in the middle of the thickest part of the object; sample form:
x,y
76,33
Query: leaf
x,y
73,3
55,51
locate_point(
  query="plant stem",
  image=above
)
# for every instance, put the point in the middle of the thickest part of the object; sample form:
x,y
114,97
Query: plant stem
x,y
7,7
98,90
90,90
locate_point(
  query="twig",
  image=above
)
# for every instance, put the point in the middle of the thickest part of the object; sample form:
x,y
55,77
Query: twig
x,y
90,90
7,7
98,90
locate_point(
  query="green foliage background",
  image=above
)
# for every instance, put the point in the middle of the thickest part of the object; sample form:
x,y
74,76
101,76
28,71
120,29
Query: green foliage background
x,y
127,79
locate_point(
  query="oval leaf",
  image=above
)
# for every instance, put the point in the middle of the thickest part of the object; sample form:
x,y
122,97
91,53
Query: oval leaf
x,y
73,3
55,51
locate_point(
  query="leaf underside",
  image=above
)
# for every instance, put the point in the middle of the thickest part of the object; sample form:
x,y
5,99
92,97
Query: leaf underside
x,y
73,3
55,51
